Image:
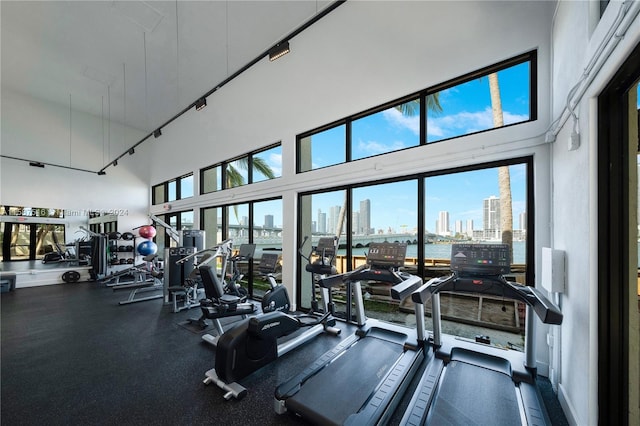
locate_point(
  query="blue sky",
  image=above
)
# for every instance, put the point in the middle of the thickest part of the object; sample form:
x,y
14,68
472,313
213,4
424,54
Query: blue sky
x,y
466,108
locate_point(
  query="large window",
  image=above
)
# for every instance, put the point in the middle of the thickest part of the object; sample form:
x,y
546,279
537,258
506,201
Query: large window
x,y
429,213
172,190
257,166
389,130
322,148
497,96
256,222
468,107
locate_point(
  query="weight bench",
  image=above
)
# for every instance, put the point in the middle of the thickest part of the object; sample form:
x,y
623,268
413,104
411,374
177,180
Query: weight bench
x,y
218,304
143,281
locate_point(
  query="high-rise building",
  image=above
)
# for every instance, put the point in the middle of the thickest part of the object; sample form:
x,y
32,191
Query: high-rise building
x,y
458,227
470,228
334,215
443,223
523,221
355,223
365,217
322,222
491,218
268,221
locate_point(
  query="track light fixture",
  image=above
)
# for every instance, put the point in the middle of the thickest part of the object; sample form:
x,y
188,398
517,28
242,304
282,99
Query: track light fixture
x,y
201,103
157,133
278,50
132,151
115,163
102,173
36,164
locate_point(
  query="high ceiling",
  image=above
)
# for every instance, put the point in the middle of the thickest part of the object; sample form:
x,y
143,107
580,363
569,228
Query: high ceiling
x,y
135,62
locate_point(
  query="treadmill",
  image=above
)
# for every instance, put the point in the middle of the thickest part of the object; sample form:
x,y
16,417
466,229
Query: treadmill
x,y
472,383
361,380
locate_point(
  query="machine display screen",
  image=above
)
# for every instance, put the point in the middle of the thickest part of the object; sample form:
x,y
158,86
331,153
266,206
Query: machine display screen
x,y
387,254
326,247
490,259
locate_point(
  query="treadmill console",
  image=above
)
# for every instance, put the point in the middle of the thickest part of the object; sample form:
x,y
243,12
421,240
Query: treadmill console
x,y
483,259
387,254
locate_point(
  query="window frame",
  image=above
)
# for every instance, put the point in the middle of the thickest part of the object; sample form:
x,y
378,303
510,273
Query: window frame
x,y
527,161
528,57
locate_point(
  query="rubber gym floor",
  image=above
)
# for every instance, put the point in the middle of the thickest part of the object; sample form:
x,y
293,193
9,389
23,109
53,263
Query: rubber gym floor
x,y
70,354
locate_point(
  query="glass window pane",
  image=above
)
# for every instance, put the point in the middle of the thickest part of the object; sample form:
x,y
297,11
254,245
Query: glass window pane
x,y
211,179
238,219
386,131
186,220
212,225
158,194
267,164
467,107
384,213
322,149
320,217
186,186
237,173
466,207
267,236
172,190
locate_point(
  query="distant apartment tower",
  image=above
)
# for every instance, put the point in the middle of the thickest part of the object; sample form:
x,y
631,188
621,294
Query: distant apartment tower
x,y
322,222
268,221
355,223
334,215
458,227
365,217
523,221
470,228
491,217
443,223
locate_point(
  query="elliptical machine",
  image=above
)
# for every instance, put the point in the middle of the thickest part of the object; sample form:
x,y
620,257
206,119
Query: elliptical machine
x,y
261,339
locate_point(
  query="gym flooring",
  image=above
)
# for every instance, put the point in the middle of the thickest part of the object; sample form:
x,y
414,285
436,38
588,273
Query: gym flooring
x,y
71,354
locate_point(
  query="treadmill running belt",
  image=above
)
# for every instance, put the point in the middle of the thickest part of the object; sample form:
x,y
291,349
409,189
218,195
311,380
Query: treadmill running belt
x,y
341,388
471,395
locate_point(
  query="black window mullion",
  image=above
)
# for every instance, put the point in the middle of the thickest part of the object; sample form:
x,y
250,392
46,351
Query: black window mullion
x,y
347,140
421,225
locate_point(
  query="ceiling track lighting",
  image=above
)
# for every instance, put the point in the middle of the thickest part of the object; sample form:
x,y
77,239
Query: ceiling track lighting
x,y
102,173
115,163
201,103
274,53
132,151
279,50
36,164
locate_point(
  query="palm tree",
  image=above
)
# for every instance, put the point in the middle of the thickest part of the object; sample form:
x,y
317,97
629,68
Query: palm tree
x,y
504,179
408,109
234,178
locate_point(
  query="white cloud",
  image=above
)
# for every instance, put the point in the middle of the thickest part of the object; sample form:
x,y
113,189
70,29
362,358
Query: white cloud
x,y
396,118
375,147
466,122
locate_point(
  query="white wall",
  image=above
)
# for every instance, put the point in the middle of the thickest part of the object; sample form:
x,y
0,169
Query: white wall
x,y
41,131
576,40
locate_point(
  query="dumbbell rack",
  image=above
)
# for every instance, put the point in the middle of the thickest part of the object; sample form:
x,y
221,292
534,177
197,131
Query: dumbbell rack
x,y
122,252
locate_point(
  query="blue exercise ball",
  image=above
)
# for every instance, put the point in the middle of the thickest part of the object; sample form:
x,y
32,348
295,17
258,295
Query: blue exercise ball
x,y
146,248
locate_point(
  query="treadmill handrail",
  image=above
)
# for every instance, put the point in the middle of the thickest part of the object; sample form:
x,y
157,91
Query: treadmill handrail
x,y
495,285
